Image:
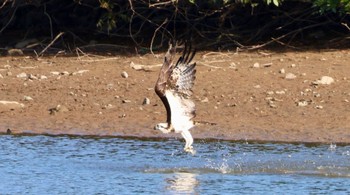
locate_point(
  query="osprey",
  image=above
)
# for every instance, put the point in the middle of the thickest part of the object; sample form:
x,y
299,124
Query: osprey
x,y
174,87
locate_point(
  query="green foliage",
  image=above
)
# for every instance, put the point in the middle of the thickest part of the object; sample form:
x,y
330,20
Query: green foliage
x,y
335,6
107,20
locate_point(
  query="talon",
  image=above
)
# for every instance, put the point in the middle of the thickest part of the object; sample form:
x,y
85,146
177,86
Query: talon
x,y
190,150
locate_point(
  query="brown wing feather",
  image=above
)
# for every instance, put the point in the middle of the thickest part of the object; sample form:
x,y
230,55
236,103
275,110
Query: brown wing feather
x,y
183,76
182,79
163,78
178,78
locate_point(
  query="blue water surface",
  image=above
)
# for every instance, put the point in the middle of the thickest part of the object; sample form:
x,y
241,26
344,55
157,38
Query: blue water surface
x,y
87,165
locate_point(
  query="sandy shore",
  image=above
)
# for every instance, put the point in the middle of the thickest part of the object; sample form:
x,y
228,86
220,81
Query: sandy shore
x,y
262,95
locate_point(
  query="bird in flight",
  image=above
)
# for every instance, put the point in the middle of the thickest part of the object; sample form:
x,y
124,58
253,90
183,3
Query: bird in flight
x,y
174,88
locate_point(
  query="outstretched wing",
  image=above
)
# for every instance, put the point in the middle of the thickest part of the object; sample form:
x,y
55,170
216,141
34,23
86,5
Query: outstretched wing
x,y
182,77
176,80
180,83
163,78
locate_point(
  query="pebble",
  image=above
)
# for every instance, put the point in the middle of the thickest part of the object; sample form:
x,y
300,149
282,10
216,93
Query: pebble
x,y
55,73
28,98
146,101
205,100
270,93
9,73
256,65
272,105
325,80
22,75
42,77
280,92
282,71
58,108
290,76
65,73
80,72
233,65
1,76
302,103
108,106
317,94
32,77
319,107
126,101
124,74
267,65
10,105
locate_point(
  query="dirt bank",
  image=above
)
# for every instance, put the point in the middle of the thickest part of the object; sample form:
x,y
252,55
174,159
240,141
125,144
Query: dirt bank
x,y
261,95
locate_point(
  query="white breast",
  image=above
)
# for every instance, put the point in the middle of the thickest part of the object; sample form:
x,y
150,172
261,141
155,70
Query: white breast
x,y
179,119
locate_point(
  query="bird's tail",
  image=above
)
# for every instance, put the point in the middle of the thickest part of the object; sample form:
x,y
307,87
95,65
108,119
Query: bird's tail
x,y
204,123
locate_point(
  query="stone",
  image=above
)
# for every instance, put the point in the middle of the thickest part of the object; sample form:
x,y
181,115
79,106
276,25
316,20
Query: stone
x,y
108,106
256,65
64,73
32,77
22,75
42,77
1,77
325,80
233,65
280,92
58,108
146,101
124,74
80,72
270,92
27,98
55,73
290,76
319,107
267,65
302,103
205,100
282,71
126,101
10,105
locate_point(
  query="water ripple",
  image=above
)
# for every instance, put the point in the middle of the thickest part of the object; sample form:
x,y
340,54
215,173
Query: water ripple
x,y
81,165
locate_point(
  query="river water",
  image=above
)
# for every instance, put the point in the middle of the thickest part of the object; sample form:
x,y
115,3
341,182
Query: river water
x,y
90,165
